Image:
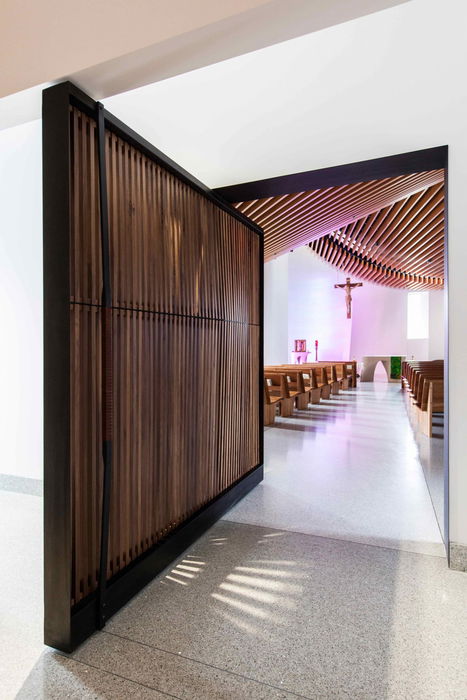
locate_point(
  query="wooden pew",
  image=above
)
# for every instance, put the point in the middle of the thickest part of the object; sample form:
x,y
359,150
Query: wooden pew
x,y
279,386
323,379
410,367
413,373
343,375
343,372
295,382
310,381
346,370
335,382
319,380
311,385
434,397
271,400
421,377
289,385
424,385
328,375
336,374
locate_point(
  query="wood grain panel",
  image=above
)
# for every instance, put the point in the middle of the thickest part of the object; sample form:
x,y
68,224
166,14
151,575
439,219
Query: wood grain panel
x,y
161,237
186,425
388,231
85,250
85,445
185,352
296,219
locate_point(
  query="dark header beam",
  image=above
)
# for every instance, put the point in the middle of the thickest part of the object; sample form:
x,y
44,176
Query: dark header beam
x,y
363,171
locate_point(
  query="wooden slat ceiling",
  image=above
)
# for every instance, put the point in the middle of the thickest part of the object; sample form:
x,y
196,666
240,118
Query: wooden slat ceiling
x,y
388,231
401,245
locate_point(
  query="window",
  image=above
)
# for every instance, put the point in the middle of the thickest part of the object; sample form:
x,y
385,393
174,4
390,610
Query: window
x,y
417,315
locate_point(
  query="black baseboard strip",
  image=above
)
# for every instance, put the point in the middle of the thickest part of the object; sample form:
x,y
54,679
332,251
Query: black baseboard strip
x,y
135,577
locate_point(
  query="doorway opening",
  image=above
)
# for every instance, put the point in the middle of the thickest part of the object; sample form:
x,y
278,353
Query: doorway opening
x,y
366,463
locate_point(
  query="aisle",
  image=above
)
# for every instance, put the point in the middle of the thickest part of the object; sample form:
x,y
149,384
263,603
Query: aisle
x,y
348,469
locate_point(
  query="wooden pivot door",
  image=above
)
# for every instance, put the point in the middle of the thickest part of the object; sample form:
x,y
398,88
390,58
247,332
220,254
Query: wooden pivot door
x,y
153,362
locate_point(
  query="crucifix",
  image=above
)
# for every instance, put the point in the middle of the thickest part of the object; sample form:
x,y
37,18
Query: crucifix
x,y
348,293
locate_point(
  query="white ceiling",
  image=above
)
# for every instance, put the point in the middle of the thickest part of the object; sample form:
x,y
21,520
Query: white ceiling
x,y
294,106
269,23
44,41
112,46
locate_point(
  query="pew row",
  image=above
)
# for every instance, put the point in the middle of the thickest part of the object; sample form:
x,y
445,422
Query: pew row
x,y
289,386
339,374
316,380
346,370
272,398
423,383
279,391
293,387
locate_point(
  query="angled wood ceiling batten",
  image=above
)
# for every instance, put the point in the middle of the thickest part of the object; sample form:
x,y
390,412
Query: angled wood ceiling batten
x,y
401,245
389,231
296,219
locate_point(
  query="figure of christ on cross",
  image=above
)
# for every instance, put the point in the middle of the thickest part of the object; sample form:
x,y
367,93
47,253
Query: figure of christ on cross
x,y
348,293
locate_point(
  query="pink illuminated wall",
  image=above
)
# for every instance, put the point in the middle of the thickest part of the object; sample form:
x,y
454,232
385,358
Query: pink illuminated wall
x,y
301,302
316,310
276,311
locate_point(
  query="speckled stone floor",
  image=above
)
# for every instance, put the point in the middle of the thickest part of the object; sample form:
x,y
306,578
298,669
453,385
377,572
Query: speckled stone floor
x,y
21,610
253,612
327,581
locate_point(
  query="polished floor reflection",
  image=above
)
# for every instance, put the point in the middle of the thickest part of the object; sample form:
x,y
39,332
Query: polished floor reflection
x,y
327,581
350,468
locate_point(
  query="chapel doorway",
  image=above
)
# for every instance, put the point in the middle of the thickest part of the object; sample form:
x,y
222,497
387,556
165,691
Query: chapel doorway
x,y
365,460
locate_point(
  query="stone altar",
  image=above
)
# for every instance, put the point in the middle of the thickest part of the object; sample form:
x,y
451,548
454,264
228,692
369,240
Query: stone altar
x,y
369,366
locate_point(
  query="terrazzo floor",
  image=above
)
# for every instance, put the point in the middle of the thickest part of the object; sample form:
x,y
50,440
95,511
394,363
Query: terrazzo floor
x,y
350,468
327,581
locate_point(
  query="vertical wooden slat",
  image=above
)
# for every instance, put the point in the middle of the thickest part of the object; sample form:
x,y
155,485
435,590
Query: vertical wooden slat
x,y
185,337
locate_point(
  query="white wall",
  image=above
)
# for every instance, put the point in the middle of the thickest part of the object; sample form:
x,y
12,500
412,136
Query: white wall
x,y
21,301
430,347
379,321
436,325
276,296
418,349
